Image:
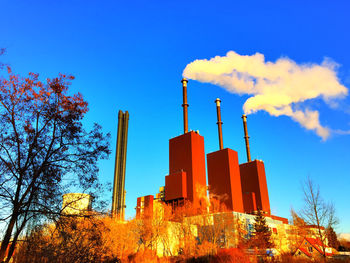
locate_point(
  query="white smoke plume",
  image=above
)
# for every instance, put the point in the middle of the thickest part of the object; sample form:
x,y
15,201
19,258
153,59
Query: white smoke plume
x,y
278,88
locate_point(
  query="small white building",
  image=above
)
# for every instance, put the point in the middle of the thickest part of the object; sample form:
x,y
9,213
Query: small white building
x,y
76,203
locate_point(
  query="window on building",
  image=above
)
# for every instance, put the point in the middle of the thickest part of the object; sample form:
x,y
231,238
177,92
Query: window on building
x,y
310,249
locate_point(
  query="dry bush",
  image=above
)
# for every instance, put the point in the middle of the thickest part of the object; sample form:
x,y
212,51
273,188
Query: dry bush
x,y
287,258
120,238
206,249
344,244
69,240
143,256
231,255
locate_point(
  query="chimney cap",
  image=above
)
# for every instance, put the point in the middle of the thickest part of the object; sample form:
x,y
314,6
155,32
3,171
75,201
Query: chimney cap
x,y
184,80
217,101
244,116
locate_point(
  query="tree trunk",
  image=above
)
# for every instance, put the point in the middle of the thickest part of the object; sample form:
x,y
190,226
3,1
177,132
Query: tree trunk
x,y
6,240
14,241
12,248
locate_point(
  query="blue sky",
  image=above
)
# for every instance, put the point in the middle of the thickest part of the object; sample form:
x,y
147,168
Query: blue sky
x,y
130,55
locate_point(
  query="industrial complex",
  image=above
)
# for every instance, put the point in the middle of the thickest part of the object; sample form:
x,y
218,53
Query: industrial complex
x,y
240,188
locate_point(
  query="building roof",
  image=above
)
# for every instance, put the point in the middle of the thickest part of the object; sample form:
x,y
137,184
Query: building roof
x,y
316,243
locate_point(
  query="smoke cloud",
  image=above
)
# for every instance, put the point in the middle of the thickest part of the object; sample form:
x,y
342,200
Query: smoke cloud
x,y
279,88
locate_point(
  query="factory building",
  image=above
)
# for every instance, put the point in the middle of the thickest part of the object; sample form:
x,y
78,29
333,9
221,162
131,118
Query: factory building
x,y
223,173
254,187
187,174
224,179
145,206
240,188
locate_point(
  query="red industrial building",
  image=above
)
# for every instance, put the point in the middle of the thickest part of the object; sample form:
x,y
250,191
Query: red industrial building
x,y
223,173
254,187
144,206
187,163
187,177
239,187
176,187
224,179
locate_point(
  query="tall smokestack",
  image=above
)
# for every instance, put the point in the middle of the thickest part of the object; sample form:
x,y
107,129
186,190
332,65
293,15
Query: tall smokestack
x,y
219,123
118,199
246,137
184,104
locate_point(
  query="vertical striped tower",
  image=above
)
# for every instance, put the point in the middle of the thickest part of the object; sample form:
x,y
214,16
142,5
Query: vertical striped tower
x,y
118,200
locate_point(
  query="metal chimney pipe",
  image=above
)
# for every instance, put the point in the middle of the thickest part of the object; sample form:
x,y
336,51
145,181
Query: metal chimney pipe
x,y
185,105
117,165
219,123
246,137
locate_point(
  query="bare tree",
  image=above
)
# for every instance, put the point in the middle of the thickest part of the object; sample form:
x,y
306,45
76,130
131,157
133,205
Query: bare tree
x,y
297,232
317,212
42,142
